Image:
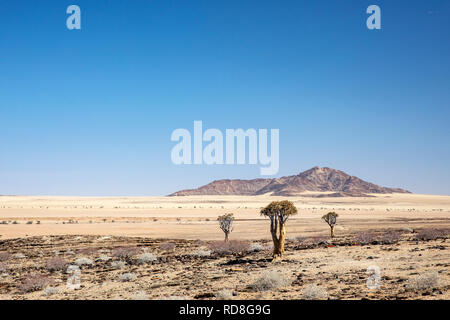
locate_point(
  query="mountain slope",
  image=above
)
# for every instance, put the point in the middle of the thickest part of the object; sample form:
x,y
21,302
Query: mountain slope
x,y
315,179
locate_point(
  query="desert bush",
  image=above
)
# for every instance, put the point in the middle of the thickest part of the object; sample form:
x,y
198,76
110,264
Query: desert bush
x,y
428,280
4,256
270,280
29,222
432,234
230,247
104,258
3,267
391,237
224,295
364,238
83,261
140,295
50,291
87,251
118,265
146,258
314,292
318,240
312,241
127,277
202,253
301,239
19,256
125,253
56,264
167,246
34,283
255,247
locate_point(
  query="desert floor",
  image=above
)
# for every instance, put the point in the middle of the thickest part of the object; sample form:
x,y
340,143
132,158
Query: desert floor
x,y
36,229
194,217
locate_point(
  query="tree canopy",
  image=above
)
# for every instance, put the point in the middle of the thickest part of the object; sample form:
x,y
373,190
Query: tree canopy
x,y
282,209
330,218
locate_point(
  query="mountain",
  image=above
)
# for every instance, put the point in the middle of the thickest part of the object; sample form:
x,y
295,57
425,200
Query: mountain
x,y
315,179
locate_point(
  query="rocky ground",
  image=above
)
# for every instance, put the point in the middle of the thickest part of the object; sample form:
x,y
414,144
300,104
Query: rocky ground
x,y
349,267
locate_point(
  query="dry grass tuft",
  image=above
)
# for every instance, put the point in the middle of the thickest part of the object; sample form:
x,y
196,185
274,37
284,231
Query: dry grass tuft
x,y
270,280
314,292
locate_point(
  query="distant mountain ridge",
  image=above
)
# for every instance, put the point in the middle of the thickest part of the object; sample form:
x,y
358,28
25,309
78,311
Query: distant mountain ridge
x,y
315,179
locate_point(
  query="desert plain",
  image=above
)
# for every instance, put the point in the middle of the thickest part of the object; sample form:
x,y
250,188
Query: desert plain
x,y
170,248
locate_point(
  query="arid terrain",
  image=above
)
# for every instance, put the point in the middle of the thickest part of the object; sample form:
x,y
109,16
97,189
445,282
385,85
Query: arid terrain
x,y
170,247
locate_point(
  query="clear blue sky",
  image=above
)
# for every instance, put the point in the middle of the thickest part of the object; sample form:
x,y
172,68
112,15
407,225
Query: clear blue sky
x,y
90,112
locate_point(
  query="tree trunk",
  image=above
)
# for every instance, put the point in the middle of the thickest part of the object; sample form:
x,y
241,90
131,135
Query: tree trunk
x,y
278,243
277,251
226,237
332,231
282,237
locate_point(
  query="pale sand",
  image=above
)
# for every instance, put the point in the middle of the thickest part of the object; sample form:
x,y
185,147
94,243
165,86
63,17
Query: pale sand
x,y
187,217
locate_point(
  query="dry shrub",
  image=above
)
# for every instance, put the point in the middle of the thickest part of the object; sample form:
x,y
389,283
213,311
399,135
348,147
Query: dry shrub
x,y
34,283
49,291
3,267
230,247
4,256
83,261
104,258
140,295
128,277
364,238
429,280
146,258
270,280
56,264
167,246
224,295
391,237
301,239
256,247
314,292
432,234
312,241
118,265
202,253
318,240
126,253
87,251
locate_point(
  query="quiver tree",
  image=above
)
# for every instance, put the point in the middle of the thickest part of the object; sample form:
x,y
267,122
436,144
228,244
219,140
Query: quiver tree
x,y
226,224
278,213
331,219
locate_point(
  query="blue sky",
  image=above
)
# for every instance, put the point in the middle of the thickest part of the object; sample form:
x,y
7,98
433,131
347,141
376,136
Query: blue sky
x,y
91,111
